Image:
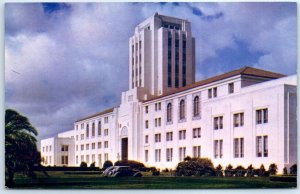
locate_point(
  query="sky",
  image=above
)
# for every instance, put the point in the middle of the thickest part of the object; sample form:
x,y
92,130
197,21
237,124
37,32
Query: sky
x,y
66,61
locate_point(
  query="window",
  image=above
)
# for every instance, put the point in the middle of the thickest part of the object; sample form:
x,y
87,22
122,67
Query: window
x,y
209,93
105,119
105,132
100,159
196,106
82,158
50,149
76,147
157,155
64,160
146,139
146,124
262,116
238,145
196,132
218,122
262,146
146,109
196,151
99,128
182,110
93,146
87,131
169,154
76,137
106,144
158,106
157,122
238,120
230,88
87,158
93,130
82,125
81,147
64,148
105,156
169,136
93,158
218,148
157,137
169,112
46,148
182,152
82,136
99,145
215,91
146,155
182,134
87,146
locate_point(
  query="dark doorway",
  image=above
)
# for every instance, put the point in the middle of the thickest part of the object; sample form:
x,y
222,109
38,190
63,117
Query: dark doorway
x,y
124,148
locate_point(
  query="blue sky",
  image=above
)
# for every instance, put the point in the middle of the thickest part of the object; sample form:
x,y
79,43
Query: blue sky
x,y
56,54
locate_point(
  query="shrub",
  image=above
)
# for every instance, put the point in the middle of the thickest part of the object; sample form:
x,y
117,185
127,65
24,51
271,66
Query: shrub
x,y
195,167
293,169
240,171
219,170
166,170
131,163
188,158
83,165
262,170
283,178
273,169
229,172
285,171
155,173
250,171
107,164
92,165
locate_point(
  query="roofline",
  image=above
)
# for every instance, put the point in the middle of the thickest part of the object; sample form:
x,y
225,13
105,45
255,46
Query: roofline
x,y
240,72
107,111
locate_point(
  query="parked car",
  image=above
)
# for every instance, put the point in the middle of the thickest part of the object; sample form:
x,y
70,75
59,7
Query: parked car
x,y
108,170
121,171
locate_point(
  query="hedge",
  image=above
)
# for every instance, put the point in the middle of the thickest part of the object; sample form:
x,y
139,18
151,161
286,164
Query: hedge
x,y
284,178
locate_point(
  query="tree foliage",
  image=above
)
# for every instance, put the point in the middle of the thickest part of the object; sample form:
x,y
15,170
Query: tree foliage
x,y
195,167
107,164
21,152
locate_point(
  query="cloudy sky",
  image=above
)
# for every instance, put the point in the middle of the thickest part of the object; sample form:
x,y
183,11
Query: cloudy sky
x,y
67,61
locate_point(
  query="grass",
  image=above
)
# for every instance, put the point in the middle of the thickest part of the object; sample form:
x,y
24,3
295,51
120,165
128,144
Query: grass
x,y
59,180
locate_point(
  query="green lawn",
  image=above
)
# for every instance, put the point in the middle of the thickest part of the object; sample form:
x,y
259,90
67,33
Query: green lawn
x,y
58,180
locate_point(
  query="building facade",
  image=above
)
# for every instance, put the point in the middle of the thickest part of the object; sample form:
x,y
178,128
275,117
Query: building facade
x,y
246,116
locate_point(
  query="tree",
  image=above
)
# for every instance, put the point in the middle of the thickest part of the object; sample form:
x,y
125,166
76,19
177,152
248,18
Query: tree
x,y
107,164
21,153
273,169
83,165
195,167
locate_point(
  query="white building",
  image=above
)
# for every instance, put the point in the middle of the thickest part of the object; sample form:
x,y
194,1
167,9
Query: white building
x,y
243,117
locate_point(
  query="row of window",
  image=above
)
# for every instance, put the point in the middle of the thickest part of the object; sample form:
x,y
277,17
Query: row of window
x,y
93,124
238,145
93,133
93,159
45,148
182,109
169,154
169,135
213,92
93,146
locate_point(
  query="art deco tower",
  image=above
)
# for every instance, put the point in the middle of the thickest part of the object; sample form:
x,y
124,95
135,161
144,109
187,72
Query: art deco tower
x,y
161,55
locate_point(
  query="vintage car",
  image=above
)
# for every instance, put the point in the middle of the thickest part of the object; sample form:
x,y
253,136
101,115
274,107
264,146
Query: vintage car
x,y
121,171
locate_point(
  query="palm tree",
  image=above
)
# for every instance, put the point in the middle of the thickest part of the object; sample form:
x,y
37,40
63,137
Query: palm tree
x,y
21,152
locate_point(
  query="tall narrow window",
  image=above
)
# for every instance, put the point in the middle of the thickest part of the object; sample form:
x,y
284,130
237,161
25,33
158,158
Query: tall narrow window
x,y
157,155
169,112
265,146
196,106
258,146
182,152
87,130
169,59
146,155
99,128
169,154
230,88
209,93
262,116
93,130
182,110
215,91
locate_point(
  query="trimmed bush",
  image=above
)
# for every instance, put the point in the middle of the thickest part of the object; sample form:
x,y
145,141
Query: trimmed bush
x,y
293,169
240,171
195,167
250,171
92,165
107,164
155,173
133,164
229,171
219,171
273,169
83,165
262,170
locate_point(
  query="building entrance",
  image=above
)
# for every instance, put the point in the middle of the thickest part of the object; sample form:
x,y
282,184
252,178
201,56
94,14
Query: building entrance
x,y
124,149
